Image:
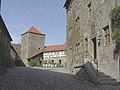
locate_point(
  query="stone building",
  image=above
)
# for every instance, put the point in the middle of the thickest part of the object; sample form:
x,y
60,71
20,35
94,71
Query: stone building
x,y
31,42
55,54
51,54
13,55
5,43
18,61
89,38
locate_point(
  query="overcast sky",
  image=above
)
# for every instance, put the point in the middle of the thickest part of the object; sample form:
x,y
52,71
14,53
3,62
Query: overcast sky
x,y
48,16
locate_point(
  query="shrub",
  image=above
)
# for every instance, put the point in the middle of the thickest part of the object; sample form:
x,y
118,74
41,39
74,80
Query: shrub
x,y
115,18
33,62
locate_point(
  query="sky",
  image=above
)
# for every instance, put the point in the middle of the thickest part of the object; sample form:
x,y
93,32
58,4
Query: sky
x,y
48,16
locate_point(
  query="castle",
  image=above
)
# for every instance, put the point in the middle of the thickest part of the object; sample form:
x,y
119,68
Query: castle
x,y
33,47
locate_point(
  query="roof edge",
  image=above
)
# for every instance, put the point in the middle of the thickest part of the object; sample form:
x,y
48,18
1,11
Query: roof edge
x,y
33,33
6,28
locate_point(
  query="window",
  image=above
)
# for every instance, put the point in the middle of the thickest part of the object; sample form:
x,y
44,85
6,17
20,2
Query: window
x,y
89,9
60,61
106,34
69,32
52,61
53,53
77,48
49,53
77,23
39,48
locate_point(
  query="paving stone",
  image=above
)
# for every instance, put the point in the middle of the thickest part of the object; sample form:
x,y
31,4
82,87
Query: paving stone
x,y
24,78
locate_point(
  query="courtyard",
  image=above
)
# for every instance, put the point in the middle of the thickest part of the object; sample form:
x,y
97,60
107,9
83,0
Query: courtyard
x,y
26,78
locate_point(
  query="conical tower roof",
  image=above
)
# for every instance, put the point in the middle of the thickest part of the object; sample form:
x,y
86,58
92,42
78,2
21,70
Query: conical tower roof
x,y
34,30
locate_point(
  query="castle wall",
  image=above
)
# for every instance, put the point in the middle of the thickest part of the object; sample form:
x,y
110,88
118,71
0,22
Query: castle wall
x,y
87,21
31,43
24,48
36,42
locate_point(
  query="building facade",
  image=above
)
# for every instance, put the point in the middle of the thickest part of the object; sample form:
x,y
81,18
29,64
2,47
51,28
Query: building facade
x,y
89,35
55,54
31,42
5,43
51,55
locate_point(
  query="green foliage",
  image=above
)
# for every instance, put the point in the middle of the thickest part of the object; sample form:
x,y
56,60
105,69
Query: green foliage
x,y
33,62
116,34
115,18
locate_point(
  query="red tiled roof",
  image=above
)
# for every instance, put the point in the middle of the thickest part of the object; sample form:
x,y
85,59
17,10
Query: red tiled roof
x,y
34,30
54,48
50,49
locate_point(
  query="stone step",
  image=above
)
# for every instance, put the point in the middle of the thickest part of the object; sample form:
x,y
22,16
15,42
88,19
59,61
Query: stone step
x,y
106,79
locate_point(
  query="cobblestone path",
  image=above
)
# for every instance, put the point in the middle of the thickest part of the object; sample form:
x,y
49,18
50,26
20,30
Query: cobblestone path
x,y
23,78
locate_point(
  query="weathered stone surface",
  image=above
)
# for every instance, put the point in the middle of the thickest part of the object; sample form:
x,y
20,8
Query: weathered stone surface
x,y
84,34
5,40
22,78
31,43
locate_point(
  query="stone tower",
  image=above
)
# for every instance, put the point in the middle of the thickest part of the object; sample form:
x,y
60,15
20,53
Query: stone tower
x,y
31,41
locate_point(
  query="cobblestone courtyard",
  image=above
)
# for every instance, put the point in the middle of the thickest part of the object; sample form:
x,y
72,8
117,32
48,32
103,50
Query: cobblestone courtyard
x,y
23,78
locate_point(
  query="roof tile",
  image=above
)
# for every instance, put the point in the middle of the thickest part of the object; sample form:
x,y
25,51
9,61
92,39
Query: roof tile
x,y
33,30
49,49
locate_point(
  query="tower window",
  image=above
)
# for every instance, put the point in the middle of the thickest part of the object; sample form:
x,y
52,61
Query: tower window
x,y
89,9
38,48
77,22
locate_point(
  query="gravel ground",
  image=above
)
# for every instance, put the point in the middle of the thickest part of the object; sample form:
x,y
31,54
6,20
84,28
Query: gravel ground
x,y
24,78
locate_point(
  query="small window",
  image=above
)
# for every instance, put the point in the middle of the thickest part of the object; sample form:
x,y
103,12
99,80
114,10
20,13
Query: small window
x,y
89,8
39,48
60,61
77,21
106,34
52,61
69,32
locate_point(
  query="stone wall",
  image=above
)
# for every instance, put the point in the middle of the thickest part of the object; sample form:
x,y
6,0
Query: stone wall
x,y
83,34
5,40
24,48
36,42
30,44
17,48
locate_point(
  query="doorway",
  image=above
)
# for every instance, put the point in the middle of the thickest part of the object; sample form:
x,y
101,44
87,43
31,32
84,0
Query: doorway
x,y
94,48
